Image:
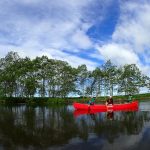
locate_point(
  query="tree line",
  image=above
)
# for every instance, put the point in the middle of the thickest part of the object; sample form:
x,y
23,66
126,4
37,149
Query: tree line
x,y
44,77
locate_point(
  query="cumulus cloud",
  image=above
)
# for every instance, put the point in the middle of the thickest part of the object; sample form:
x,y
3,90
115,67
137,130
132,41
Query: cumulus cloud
x,y
29,26
80,40
48,27
131,38
119,54
134,25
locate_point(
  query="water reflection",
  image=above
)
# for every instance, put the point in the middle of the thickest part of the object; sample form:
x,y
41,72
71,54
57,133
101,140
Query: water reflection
x,y
23,127
39,127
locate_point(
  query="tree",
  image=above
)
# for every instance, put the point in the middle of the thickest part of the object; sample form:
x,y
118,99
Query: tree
x,y
41,68
130,79
68,78
110,77
146,82
82,79
94,83
29,78
55,78
8,73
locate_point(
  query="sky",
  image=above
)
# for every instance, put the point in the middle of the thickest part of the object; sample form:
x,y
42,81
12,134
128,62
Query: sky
x,y
78,31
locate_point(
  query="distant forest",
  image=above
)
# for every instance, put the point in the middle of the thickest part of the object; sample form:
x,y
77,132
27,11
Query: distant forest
x,y
44,77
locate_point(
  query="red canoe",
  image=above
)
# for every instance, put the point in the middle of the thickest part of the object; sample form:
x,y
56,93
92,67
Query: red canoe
x,y
103,108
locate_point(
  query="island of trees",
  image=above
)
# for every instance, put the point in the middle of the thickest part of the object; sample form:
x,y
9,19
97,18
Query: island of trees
x,y
44,77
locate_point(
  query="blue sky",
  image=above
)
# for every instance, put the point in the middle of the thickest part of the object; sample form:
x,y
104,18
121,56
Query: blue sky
x,y
78,31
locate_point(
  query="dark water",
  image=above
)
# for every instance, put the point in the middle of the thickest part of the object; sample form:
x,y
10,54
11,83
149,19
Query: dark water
x,y
56,128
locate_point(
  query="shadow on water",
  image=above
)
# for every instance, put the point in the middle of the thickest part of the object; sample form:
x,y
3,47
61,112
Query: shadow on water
x,y
23,127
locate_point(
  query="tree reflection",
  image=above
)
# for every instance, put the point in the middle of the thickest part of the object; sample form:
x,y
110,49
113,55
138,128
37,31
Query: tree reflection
x,y
35,127
110,127
44,127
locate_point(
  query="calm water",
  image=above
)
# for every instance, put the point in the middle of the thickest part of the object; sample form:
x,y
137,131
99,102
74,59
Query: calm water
x,y
60,128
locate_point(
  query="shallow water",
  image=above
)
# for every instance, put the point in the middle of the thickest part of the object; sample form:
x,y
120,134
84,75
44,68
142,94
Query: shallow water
x,y
57,128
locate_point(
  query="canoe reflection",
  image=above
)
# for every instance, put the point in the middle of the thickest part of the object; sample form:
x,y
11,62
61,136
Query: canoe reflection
x,y
110,113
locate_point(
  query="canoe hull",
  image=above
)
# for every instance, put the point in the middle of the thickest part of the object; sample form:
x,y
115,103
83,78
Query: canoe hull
x,y
103,108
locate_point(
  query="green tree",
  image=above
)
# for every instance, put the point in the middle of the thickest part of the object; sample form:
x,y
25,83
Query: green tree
x,y
110,77
8,77
41,67
82,79
98,77
54,78
130,79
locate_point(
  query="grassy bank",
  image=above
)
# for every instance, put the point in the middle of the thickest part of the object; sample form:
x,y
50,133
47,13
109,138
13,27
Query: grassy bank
x,y
49,101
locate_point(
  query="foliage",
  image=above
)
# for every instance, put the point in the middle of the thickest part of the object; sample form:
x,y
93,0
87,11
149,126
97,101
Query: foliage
x,y
44,77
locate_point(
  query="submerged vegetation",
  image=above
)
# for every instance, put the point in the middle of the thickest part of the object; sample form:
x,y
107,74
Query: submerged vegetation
x,y
44,77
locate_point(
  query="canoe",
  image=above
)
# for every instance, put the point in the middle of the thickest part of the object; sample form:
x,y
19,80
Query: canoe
x,y
104,108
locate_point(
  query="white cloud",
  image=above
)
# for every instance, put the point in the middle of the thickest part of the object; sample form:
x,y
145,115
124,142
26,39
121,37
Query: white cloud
x,y
71,59
131,38
51,53
118,54
32,27
55,24
134,25
80,40
36,27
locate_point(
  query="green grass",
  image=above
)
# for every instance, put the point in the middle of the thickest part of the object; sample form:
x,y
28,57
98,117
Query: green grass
x,y
50,101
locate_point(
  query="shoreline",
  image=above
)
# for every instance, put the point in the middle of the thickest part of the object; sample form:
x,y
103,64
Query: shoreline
x,y
68,100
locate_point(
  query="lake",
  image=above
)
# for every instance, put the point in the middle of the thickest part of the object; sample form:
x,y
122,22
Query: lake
x,y
61,128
